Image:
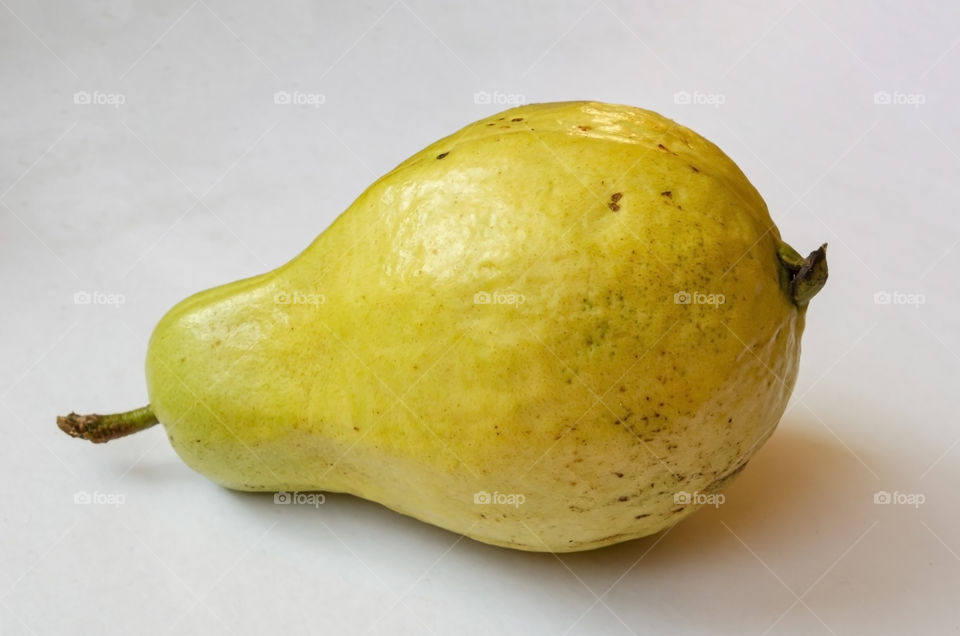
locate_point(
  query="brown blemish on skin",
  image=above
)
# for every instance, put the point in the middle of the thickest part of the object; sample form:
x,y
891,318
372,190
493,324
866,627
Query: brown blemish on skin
x,y
667,193
644,515
663,148
623,498
517,119
618,474
614,201
694,168
442,155
584,128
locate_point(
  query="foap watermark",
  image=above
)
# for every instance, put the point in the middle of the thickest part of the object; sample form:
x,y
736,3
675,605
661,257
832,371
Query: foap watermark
x,y
884,297
484,498
899,98
97,498
698,98
98,298
697,498
887,498
698,298
295,498
297,297
97,98
498,298
496,98
298,98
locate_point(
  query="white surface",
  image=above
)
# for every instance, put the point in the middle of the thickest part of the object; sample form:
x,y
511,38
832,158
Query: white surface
x,y
199,178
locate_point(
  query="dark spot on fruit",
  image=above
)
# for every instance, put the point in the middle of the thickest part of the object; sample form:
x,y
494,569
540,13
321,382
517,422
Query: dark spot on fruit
x,y
584,128
623,498
646,514
694,168
517,119
356,428
676,510
663,148
618,474
667,193
614,201
442,155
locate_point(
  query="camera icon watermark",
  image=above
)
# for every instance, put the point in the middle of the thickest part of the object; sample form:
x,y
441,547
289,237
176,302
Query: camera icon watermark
x,y
83,297
887,498
698,98
97,98
884,297
297,98
484,498
899,98
499,298
698,298
496,98
297,297
684,498
295,498
97,498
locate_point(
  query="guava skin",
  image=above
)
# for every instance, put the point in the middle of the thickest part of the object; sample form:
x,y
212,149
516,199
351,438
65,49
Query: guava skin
x,y
504,313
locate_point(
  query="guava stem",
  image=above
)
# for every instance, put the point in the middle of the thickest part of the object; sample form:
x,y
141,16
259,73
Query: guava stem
x,y
804,277
103,428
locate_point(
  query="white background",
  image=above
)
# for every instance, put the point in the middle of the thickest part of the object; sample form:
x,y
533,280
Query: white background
x,y
199,178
